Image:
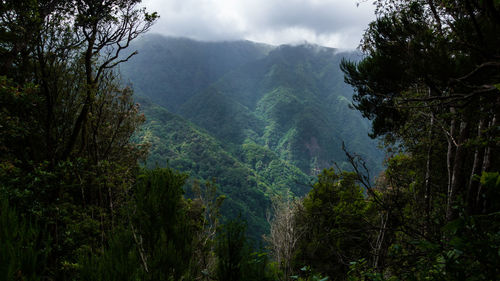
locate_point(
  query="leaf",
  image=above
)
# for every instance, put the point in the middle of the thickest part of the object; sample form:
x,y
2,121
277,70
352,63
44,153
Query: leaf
x,y
453,226
490,179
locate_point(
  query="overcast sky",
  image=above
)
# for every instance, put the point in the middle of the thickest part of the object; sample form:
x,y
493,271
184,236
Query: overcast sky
x,y
332,23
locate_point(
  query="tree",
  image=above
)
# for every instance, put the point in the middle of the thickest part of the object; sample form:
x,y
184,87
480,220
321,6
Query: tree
x,y
67,159
67,47
204,210
161,229
157,238
235,258
230,250
438,59
105,29
337,225
429,83
285,233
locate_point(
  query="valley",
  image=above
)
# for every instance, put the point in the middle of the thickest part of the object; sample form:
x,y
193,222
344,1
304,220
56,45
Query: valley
x,y
260,120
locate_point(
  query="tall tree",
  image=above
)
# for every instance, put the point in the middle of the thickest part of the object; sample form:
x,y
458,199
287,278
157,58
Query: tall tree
x,y
69,161
66,47
285,233
429,81
336,219
105,29
439,59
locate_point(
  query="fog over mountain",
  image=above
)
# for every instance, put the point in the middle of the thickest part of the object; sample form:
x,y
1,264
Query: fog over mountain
x,y
333,23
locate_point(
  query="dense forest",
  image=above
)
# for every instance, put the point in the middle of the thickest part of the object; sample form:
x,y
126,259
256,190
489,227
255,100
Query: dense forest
x,y
260,120
78,203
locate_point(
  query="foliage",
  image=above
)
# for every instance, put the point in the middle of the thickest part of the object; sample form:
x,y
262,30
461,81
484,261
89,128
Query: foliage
x,y
247,177
66,157
119,260
236,261
428,83
204,213
18,118
309,275
288,99
230,251
157,240
335,219
24,247
160,224
285,233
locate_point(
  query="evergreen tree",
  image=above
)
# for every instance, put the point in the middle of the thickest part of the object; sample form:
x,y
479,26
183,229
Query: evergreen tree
x,y
24,247
231,246
161,229
429,83
336,220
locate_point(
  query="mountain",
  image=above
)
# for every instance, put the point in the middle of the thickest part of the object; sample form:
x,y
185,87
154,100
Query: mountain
x,y
171,70
293,101
248,178
260,119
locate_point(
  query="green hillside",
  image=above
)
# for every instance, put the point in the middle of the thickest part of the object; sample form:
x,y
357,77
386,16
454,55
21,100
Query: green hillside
x,y
261,120
248,177
170,70
292,101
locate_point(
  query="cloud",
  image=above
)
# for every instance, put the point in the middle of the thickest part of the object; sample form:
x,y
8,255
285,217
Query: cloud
x,y
333,23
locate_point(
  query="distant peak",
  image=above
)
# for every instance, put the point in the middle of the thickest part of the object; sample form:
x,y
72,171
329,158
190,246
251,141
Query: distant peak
x,y
157,36
308,47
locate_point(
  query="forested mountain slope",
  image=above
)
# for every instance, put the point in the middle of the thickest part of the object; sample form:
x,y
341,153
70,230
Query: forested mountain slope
x,y
289,99
293,101
170,70
248,177
259,119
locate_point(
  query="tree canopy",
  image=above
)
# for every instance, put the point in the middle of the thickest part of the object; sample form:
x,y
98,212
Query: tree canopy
x,y
429,81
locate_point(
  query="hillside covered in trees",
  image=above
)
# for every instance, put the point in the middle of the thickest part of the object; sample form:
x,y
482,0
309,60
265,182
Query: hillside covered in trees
x,y
260,120
291,100
78,203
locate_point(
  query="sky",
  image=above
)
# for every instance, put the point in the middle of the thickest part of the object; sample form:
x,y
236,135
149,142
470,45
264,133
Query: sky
x,y
331,23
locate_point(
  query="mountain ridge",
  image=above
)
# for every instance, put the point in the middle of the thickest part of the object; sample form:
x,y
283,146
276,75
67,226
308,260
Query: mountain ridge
x,y
263,116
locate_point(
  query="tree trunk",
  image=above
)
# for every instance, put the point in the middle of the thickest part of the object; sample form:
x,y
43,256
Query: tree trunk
x,y
90,87
457,181
428,176
480,201
449,156
473,187
380,239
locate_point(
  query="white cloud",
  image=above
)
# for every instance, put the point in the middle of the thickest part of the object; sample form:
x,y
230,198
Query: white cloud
x,y
333,23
